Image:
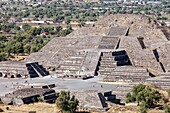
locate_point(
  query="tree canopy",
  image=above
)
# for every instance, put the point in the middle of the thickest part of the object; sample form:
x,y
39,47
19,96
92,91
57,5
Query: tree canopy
x,y
67,103
144,95
27,39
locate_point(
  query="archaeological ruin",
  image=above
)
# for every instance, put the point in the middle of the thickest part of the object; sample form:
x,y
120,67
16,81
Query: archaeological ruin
x,y
123,49
29,95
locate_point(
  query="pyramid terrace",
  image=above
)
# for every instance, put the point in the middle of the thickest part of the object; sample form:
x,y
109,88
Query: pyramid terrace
x,y
124,50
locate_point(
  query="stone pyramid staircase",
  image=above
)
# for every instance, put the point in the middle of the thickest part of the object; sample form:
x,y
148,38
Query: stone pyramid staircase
x,y
72,65
110,60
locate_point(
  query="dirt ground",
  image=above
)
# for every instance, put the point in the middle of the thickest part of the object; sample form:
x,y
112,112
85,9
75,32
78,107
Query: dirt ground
x,y
130,109
38,107
18,57
51,108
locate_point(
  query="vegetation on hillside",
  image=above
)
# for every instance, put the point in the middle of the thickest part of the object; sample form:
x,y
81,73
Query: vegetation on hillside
x,y
17,40
26,39
68,11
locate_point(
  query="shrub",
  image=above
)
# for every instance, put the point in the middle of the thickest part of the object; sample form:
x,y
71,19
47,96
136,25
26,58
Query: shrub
x,y
65,103
143,95
143,107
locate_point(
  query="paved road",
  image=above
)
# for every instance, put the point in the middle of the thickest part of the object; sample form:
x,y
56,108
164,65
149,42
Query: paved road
x,y
6,85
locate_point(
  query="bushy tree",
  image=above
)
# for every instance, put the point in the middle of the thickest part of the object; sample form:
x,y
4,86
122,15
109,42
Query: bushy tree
x,y
144,95
26,27
26,40
143,107
2,57
129,98
66,103
66,31
3,38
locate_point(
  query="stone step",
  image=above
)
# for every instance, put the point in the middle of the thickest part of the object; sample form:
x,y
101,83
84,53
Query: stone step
x,y
12,68
107,62
164,74
161,83
124,80
108,66
128,77
106,54
129,73
106,69
104,46
76,57
64,67
104,72
73,71
123,88
107,58
119,93
72,62
131,69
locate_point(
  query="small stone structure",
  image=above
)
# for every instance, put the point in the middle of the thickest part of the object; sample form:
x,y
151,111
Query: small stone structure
x,y
29,95
12,69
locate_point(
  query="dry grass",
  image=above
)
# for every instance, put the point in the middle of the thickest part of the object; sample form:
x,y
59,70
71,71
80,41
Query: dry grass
x,y
124,109
18,57
51,108
38,107
131,109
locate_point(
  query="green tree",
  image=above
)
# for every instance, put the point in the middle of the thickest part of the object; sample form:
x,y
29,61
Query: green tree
x,y
34,48
3,38
142,93
66,31
129,98
27,49
143,107
26,27
65,103
19,48
2,57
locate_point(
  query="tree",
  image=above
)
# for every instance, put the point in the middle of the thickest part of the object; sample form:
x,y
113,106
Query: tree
x,y
65,103
26,27
19,48
3,38
129,98
34,48
143,107
2,57
67,20
142,93
58,29
27,49
66,31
